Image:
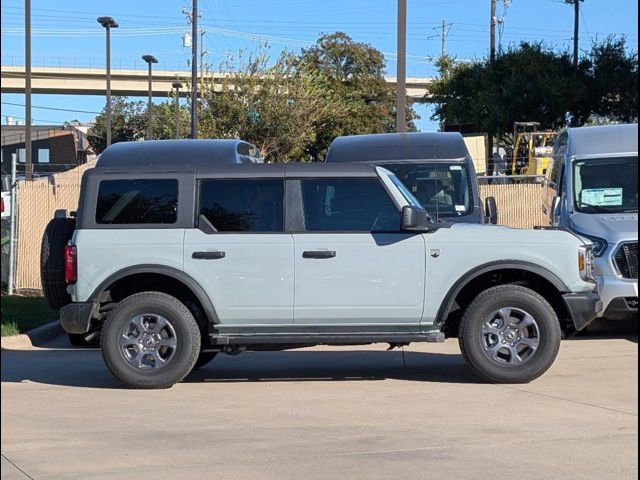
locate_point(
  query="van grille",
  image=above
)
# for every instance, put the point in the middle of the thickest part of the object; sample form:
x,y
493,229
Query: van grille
x,y
626,260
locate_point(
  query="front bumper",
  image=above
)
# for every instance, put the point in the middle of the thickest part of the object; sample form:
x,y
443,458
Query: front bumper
x,y
76,317
614,289
622,308
584,308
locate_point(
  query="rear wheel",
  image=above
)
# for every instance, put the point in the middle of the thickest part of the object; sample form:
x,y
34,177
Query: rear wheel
x,y
56,236
150,340
510,334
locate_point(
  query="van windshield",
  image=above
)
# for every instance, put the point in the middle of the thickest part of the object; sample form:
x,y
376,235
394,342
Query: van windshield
x,y
606,185
443,189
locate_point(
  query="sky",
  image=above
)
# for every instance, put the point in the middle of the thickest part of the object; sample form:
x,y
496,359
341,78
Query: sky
x,y
65,33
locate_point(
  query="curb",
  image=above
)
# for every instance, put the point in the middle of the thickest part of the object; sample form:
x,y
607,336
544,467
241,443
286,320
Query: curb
x,y
33,337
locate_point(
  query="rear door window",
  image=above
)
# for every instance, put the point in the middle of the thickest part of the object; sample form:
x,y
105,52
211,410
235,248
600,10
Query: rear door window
x,y
137,201
243,205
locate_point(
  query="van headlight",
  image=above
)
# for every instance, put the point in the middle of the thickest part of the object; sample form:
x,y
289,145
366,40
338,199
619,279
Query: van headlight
x,y
585,263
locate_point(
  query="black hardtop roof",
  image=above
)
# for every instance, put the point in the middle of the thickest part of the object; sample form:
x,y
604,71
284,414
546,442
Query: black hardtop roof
x,y
174,153
297,170
397,147
246,170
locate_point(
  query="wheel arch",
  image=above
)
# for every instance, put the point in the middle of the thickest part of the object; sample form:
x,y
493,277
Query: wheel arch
x,y
159,274
494,269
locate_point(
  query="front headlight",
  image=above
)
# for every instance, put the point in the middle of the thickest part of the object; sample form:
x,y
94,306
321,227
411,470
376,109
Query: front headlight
x,y
585,263
600,245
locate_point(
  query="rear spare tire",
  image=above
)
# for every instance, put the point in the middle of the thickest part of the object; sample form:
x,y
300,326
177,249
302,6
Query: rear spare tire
x,y
55,238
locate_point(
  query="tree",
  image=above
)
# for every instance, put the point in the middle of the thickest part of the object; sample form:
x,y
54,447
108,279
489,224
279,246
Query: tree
x,y
275,107
526,83
613,81
129,122
352,74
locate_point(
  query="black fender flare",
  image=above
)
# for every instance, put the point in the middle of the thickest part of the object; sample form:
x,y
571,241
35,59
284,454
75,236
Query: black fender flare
x,y
167,271
464,280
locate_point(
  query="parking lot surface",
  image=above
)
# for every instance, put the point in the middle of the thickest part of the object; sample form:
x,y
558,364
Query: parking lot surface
x,y
353,413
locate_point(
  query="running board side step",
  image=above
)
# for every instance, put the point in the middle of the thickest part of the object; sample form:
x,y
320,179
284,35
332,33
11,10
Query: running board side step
x,y
324,338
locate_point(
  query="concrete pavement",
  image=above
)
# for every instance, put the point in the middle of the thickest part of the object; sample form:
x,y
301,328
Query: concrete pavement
x,y
357,413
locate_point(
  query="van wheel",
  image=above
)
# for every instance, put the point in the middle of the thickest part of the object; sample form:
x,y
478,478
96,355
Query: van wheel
x,y
56,235
509,334
150,340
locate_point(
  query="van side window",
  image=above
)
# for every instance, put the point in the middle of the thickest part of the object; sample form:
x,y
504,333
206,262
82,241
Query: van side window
x,y
243,205
348,205
137,201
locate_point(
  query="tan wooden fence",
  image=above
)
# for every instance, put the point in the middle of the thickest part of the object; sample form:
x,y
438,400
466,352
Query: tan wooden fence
x,y
37,202
518,206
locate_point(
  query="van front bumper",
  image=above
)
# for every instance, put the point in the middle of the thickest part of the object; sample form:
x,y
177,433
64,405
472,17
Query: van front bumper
x,y
584,308
619,295
75,318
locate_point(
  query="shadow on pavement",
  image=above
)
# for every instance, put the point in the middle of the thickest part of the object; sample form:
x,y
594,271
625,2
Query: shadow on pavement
x,y
603,329
85,368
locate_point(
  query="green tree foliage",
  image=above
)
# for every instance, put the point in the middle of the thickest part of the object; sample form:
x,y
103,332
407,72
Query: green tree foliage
x,y
352,73
272,106
612,81
128,122
534,83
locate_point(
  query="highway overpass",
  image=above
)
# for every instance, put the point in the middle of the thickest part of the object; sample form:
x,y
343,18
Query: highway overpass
x,y
91,81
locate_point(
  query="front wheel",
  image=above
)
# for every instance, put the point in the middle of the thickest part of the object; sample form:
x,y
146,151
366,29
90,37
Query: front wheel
x,y
150,340
510,334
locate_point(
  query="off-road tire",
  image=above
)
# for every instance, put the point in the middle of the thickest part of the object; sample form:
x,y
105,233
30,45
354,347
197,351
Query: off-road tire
x,y
56,236
470,336
182,321
204,358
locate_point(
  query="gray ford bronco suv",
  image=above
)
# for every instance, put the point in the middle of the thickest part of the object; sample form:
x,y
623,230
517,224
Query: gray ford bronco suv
x,y
177,255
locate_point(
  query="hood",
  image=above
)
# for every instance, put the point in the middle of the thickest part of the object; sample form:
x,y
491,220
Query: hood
x,y
613,227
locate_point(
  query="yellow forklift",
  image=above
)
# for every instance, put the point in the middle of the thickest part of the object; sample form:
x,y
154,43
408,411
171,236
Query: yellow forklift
x,y
532,149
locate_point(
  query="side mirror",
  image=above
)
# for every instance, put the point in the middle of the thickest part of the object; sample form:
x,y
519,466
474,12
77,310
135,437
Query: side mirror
x,y
415,219
556,206
491,210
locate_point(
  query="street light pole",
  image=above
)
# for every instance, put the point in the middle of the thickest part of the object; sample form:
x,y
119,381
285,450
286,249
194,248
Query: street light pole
x,y
150,59
177,86
401,76
108,23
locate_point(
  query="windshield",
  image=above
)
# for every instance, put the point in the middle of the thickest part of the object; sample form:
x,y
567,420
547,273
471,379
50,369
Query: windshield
x,y
606,185
443,189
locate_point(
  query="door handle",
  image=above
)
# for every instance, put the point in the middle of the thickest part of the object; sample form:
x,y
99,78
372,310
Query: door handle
x,y
208,255
319,254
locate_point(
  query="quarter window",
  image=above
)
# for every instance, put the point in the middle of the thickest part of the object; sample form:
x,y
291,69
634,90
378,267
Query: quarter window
x,y
137,201
243,205
351,205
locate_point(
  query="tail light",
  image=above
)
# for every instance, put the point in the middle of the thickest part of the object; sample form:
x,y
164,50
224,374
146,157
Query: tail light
x,y
70,264
2,204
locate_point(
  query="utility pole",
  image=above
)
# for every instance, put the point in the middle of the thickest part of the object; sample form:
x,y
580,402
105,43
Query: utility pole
x,y
576,30
492,58
492,49
443,36
27,89
194,70
401,80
